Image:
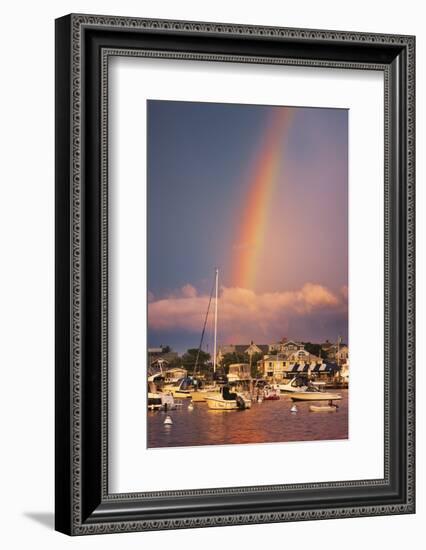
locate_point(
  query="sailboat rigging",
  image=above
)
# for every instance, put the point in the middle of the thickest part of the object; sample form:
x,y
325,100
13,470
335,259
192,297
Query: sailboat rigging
x,y
214,288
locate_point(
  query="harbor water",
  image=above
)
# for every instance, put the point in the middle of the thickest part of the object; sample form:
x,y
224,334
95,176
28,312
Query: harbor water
x,y
266,422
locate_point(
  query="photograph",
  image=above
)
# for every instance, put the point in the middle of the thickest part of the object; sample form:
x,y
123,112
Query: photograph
x,y
234,273
247,270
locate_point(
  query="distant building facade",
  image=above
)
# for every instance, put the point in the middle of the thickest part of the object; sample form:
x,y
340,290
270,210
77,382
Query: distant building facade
x,y
285,346
281,365
248,349
337,354
283,359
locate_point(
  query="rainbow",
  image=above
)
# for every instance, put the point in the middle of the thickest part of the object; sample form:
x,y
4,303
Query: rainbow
x,y
251,232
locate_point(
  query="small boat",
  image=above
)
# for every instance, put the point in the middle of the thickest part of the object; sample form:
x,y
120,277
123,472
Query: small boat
x,y
154,397
228,401
154,401
238,372
296,384
183,389
271,394
167,402
200,395
313,394
294,409
159,400
323,408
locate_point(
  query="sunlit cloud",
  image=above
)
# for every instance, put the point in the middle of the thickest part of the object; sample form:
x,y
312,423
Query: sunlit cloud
x,y
189,291
244,313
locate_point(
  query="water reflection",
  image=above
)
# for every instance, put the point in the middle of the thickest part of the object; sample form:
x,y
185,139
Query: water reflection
x,y
270,421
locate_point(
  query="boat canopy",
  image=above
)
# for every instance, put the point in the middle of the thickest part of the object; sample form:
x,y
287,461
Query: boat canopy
x,y
187,382
317,368
305,367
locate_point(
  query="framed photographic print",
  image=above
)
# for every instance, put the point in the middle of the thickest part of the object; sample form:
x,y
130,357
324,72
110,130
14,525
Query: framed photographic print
x,y
234,274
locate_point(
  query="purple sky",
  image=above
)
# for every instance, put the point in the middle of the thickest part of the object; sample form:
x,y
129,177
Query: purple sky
x,y
201,158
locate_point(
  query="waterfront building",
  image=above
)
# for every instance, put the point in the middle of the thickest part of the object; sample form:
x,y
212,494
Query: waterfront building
x,y
337,353
277,367
342,355
344,373
326,346
241,349
285,346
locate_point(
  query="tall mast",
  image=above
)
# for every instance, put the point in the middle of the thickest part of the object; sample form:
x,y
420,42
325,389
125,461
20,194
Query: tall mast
x,y
215,320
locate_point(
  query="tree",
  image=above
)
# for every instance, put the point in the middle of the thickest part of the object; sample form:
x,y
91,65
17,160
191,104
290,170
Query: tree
x,y
174,363
314,349
254,370
190,357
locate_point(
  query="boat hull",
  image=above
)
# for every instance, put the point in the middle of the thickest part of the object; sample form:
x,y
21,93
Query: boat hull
x,y
160,401
315,396
218,404
198,397
181,394
323,409
154,401
288,388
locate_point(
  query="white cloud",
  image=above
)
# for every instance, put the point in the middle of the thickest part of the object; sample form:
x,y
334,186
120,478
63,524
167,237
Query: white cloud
x,y
243,312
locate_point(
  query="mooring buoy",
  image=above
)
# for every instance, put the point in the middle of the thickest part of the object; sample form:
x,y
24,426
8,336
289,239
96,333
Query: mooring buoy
x,y
168,420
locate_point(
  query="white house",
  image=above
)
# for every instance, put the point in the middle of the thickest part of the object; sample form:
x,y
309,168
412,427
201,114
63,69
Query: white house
x,y
282,365
285,346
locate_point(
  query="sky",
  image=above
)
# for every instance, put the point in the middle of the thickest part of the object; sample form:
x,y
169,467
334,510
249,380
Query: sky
x,y
261,193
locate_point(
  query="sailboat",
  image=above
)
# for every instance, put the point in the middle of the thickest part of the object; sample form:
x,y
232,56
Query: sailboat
x,y
199,393
224,399
190,387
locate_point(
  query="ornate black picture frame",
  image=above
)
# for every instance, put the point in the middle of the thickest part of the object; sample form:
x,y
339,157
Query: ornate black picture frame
x,y
84,44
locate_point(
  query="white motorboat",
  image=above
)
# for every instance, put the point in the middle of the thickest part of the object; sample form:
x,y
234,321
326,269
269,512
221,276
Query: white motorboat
x,y
238,372
180,390
314,394
294,385
186,388
200,395
225,400
159,400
